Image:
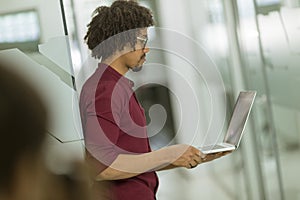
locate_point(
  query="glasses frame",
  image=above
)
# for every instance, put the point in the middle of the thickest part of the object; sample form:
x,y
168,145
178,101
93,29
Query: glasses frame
x,y
144,40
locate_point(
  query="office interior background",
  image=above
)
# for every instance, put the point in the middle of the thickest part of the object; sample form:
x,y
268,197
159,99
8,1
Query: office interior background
x,y
252,44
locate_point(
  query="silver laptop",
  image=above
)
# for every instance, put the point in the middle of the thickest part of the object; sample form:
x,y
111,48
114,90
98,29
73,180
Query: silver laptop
x,y
236,126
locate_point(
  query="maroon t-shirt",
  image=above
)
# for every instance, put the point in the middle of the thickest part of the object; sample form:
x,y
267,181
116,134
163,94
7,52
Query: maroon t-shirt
x,y
114,123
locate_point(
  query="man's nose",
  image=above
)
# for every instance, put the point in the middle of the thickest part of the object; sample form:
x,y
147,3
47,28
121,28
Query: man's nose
x,y
146,50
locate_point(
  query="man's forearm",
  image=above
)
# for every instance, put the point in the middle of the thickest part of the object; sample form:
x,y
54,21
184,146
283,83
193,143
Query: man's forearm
x,y
170,166
128,165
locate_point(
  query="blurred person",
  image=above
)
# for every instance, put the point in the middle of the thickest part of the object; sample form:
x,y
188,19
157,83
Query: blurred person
x,y
23,121
73,185
118,153
23,124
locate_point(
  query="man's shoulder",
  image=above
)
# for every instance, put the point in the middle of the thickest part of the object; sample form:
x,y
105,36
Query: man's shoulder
x,y
97,80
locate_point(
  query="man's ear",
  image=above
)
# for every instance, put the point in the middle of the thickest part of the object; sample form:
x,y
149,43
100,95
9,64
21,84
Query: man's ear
x,y
128,48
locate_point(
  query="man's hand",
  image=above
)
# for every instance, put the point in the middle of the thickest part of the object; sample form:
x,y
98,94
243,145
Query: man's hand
x,y
213,156
186,156
189,157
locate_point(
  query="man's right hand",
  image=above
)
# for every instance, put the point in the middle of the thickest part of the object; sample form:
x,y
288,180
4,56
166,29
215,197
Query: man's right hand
x,y
186,156
189,157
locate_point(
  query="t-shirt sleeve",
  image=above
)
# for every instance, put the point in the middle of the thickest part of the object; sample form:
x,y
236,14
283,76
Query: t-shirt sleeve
x,y
102,127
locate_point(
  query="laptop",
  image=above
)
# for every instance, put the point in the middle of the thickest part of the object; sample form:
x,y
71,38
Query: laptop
x,y
236,126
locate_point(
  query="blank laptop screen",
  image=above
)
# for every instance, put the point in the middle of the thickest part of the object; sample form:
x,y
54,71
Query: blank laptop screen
x,y
239,117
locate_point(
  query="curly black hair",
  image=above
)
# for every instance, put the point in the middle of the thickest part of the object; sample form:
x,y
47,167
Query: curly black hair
x,y
116,21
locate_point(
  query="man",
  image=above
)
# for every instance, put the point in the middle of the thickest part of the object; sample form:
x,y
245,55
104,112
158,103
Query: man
x,y
114,124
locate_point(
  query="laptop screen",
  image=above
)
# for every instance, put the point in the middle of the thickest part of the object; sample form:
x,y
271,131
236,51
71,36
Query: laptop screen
x,y
239,117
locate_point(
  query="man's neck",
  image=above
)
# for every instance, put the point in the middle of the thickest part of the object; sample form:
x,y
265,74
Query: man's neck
x,y
117,65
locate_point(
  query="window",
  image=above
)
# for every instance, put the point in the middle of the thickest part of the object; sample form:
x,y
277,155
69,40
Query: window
x,y
20,30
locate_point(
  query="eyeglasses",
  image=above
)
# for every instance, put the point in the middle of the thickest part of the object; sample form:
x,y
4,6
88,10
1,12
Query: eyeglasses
x,y
143,40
